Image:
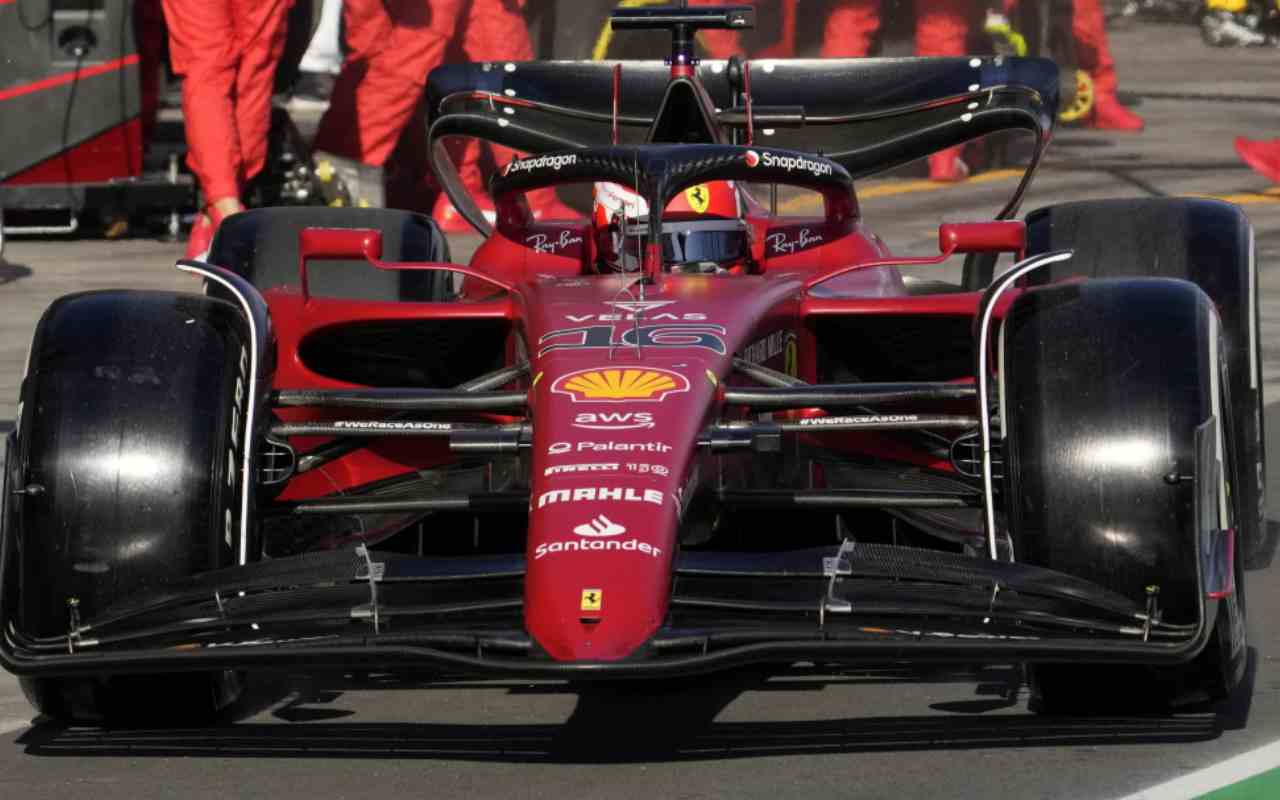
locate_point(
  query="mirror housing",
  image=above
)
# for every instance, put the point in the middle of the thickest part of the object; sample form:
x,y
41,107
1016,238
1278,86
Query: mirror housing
x,y
995,236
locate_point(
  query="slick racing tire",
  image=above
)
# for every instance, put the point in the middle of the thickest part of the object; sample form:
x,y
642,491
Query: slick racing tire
x,y
131,429
262,246
1209,243
1103,387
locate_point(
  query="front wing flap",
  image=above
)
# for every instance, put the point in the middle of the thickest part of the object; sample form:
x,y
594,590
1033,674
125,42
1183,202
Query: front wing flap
x,y
851,604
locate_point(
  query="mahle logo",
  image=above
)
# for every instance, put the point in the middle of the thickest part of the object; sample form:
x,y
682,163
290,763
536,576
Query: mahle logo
x,y
616,385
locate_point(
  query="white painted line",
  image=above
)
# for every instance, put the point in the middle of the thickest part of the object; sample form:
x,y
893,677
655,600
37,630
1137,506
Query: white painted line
x,y
1224,773
7,725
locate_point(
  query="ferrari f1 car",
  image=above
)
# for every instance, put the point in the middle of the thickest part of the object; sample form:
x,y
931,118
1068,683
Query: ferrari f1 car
x,y
686,434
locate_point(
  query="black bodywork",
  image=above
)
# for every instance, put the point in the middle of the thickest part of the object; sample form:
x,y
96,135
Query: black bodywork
x,y
887,112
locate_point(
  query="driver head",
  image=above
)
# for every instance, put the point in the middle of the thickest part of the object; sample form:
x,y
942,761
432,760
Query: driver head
x,y
702,228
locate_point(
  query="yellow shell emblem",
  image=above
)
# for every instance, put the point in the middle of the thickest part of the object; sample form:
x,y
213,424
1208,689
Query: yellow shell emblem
x,y
615,385
699,197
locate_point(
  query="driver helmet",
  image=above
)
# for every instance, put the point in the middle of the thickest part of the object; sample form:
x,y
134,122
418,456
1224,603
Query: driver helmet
x,y
703,230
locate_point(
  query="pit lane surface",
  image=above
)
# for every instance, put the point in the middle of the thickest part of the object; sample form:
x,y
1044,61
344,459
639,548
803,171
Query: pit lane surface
x,y
887,733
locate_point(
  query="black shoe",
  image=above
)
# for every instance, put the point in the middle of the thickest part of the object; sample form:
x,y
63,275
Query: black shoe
x,y
311,91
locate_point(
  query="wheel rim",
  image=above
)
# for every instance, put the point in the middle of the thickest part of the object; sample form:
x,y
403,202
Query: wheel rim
x,y
1082,104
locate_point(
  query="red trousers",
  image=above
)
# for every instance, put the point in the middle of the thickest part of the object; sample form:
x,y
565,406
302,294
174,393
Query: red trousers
x,y
1089,26
392,46
721,43
941,28
1093,52
226,51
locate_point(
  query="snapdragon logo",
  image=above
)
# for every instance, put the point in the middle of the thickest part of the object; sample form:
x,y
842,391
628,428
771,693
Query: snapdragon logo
x,y
791,163
530,164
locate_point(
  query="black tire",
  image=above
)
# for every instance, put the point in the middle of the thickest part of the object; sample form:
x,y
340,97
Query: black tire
x,y
133,700
1209,243
262,246
130,427
1104,384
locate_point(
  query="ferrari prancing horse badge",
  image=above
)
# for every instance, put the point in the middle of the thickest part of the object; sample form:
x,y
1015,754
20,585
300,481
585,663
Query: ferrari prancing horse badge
x,y
699,198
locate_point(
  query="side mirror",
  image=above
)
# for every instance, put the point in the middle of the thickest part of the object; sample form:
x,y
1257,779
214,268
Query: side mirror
x,y
336,243
996,236
340,243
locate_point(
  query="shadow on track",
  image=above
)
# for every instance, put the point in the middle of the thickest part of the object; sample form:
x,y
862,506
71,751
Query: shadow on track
x,y
627,723
12,272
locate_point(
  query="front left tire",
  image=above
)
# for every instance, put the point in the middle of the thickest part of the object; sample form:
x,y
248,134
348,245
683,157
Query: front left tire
x,y
1107,386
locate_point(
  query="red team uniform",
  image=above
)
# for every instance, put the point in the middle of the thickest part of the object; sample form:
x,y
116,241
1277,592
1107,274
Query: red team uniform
x,y
392,46
941,28
226,51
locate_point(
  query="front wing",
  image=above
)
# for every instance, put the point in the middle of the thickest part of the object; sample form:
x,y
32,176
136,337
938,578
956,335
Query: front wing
x,y
853,604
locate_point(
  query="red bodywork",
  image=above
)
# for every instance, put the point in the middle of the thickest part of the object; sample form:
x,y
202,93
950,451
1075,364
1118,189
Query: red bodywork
x,y
623,379
626,373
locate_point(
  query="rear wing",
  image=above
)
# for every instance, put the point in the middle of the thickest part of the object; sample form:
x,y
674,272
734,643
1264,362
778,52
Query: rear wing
x,y
868,115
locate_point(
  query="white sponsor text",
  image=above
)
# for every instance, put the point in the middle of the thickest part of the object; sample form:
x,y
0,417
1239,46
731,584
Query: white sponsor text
x,y
588,494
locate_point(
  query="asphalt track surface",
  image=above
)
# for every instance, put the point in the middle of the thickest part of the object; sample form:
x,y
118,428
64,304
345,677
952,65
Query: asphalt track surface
x,y
889,733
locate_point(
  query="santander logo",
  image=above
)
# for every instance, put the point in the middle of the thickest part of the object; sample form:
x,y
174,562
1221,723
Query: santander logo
x,y
600,526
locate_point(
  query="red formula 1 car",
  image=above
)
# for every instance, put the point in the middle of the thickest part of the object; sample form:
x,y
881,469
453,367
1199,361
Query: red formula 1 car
x,y
683,434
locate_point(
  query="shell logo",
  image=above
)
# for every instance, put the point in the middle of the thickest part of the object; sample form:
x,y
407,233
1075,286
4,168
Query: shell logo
x,y
620,385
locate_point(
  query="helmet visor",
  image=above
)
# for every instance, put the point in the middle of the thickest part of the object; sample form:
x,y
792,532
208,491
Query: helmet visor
x,y
716,241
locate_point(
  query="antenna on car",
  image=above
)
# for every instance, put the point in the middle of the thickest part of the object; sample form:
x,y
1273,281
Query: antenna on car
x,y
684,23
625,289
617,95
642,252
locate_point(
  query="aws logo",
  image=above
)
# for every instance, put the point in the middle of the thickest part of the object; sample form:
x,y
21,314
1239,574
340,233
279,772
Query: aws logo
x,y
619,385
614,421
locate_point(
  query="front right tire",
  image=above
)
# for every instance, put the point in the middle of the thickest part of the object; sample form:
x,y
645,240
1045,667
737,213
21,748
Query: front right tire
x,y
131,431
1103,387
